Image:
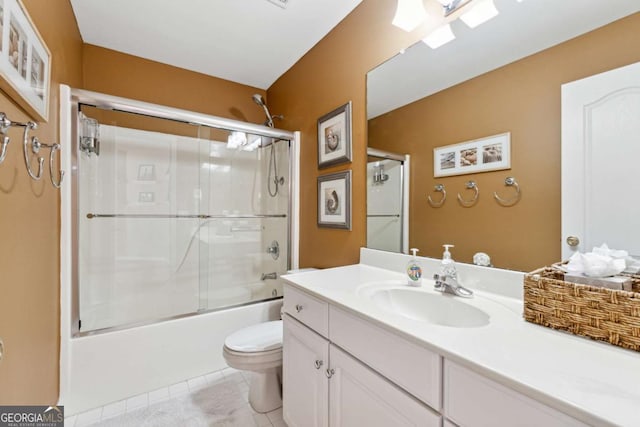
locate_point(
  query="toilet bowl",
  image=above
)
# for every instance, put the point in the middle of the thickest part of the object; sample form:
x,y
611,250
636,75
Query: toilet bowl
x,y
258,349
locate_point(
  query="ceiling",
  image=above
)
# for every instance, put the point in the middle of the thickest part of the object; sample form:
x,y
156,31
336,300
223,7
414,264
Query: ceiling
x,y
522,28
252,42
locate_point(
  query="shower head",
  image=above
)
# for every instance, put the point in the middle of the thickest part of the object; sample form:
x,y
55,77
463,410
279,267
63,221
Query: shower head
x,y
260,101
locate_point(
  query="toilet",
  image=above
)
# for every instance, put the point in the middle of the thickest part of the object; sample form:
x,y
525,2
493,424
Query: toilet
x,y
258,348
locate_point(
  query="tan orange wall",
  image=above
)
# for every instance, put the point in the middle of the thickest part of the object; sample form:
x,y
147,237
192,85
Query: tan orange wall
x,y
522,98
29,218
329,75
119,74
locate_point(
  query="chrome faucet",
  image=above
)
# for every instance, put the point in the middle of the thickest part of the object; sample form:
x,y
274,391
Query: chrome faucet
x,y
265,276
446,283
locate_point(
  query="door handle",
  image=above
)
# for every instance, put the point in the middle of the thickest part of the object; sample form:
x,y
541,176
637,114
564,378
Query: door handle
x,y
298,308
329,372
318,364
573,241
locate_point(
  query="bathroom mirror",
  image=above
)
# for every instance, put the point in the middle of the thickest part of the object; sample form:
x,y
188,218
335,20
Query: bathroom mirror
x,y
502,76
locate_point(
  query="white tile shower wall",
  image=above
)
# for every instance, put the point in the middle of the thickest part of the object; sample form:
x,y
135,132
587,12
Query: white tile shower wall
x,y
384,233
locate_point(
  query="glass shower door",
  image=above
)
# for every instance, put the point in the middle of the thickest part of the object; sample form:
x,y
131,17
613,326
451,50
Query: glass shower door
x,y
138,208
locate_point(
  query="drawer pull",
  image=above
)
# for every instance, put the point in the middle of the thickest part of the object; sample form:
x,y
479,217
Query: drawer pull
x,y
318,364
329,372
298,308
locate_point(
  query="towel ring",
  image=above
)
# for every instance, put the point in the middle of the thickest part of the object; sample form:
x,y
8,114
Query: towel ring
x,y
509,182
471,185
439,188
34,148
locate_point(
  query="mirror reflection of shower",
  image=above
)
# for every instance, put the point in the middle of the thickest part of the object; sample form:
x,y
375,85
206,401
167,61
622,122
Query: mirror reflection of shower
x,y
387,195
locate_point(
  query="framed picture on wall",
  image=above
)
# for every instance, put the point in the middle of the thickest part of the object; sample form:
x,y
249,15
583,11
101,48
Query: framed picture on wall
x,y
479,155
25,60
334,136
334,200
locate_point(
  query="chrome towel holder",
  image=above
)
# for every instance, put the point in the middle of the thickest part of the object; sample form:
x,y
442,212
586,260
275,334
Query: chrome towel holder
x,y
32,145
438,188
471,185
509,182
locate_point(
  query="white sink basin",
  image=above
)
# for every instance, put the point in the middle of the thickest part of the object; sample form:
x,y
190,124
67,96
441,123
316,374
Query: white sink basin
x,y
434,308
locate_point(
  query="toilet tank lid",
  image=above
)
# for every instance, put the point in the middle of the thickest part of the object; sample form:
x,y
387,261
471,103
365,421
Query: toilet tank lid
x,y
261,337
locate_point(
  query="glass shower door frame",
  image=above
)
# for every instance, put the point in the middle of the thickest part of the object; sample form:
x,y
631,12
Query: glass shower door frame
x,y
82,97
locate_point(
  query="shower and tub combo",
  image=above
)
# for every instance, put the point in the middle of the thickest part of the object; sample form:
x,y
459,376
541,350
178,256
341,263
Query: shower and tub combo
x,y
175,229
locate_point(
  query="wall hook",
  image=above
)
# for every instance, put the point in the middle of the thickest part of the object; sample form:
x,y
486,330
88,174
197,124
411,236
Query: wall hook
x,y
438,188
53,148
3,147
471,185
509,182
5,123
34,148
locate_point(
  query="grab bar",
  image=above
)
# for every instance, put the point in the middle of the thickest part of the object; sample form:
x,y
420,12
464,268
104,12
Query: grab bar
x,y
168,216
384,216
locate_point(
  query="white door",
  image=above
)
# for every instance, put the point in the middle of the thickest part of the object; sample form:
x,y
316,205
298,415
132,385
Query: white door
x,y
360,397
305,388
601,161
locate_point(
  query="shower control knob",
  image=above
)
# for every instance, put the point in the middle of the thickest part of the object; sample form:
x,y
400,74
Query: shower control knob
x,y
318,364
298,308
573,241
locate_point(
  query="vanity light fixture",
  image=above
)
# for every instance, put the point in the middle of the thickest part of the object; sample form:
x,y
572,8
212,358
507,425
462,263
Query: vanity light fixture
x,y
409,14
480,13
440,36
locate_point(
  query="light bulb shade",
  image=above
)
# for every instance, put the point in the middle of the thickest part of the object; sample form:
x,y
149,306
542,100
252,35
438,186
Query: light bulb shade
x,y
440,36
236,139
480,13
409,14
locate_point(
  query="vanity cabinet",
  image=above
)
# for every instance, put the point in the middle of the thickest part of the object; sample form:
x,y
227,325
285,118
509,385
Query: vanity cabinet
x,y
305,387
473,400
325,386
340,369
360,397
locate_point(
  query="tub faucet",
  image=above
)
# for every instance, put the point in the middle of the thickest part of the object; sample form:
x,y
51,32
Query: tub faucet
x,y
265,276
446,283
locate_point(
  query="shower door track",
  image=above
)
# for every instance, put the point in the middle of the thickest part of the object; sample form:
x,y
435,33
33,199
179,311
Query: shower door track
x,y
195,216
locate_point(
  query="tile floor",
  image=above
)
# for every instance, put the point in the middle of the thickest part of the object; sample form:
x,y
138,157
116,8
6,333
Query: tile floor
x,y
216,399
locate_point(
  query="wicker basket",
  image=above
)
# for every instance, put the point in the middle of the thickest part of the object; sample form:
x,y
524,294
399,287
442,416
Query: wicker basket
x,y
598,313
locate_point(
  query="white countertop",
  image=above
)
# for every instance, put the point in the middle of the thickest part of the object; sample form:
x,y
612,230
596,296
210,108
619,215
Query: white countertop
x,y
594,382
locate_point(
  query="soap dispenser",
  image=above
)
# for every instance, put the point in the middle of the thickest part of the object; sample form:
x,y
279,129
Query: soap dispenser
x,y
448,265
414,270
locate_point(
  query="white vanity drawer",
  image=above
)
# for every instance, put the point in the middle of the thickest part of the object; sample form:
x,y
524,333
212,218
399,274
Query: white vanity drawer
x,y
309,310
473,400
410,366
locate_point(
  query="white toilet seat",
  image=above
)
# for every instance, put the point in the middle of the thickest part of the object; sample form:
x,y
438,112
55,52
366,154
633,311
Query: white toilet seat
x,y
256,338
254,361
255,348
